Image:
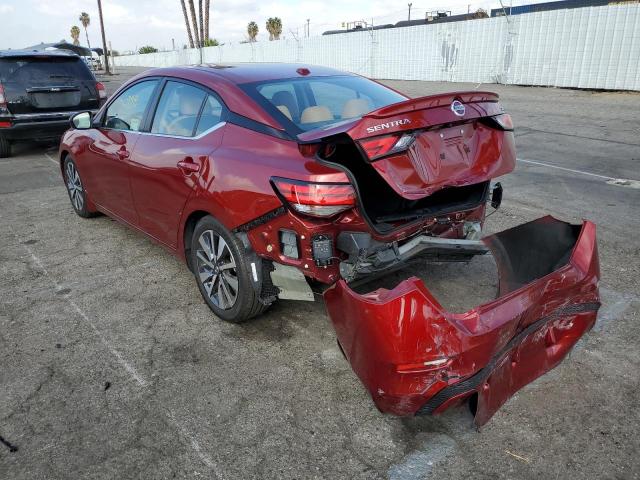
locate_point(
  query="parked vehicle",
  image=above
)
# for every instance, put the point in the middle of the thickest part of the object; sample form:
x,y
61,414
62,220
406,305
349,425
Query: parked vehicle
x,y
39,90
281,181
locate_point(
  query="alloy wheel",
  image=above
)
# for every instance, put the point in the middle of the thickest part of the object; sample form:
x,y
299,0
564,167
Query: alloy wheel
x,y
217,270
74,185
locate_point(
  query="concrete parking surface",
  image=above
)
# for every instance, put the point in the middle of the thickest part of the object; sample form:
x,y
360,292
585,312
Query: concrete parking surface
x,y
113,367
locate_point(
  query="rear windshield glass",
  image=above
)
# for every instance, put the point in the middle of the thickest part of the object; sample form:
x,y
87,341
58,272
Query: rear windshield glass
x,y
37,69
317,102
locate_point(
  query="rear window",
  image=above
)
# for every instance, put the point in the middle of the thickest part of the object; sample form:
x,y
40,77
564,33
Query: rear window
x,y
317,102
30,70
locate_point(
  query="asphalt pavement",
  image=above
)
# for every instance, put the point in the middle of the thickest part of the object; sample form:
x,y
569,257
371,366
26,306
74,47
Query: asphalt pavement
x,y
111,365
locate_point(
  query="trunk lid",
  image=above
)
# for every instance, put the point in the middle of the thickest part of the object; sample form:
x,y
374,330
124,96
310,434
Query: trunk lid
x,y
455,141
41,84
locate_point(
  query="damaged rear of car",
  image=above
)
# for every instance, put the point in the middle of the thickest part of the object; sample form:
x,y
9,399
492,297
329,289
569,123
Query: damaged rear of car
x,y
417,180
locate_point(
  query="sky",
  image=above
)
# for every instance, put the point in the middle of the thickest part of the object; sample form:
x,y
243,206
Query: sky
x,y
134,23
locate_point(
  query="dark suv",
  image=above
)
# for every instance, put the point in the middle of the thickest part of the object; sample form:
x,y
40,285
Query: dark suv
x,y
38,93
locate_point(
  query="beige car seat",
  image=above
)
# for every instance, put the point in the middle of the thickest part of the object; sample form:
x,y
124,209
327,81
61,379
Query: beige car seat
x,y
286,99
316,114
355,108
285,111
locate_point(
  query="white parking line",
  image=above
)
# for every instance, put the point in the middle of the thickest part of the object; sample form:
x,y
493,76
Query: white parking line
x,y
49,157
616,181
185,434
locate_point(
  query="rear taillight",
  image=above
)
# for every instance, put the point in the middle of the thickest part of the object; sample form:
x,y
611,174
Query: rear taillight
x,y
386,145
316,199
3,98
102,91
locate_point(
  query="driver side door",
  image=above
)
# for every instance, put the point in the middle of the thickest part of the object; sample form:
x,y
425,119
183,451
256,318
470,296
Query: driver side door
x,y
109,154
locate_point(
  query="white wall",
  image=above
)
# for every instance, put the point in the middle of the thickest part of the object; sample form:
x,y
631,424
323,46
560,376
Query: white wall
x,y
594,47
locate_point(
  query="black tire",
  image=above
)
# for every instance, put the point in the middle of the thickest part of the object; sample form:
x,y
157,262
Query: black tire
x,y
5,148
77,194
217,268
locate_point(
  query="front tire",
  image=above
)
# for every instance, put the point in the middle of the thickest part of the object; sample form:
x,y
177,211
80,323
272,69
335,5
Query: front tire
x,y
75,189
5,148
223,272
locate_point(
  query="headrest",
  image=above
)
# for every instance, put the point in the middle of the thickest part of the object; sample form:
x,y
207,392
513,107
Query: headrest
x,y
355,107
315,114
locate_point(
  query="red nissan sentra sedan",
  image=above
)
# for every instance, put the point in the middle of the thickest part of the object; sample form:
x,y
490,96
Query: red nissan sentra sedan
x,y
278,181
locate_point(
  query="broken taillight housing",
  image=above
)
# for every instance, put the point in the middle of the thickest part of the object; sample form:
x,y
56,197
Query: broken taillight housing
x,y
378,147
316,199
501,122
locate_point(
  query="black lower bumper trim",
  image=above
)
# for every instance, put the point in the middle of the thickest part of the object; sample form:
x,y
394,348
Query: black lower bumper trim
x,y
472,383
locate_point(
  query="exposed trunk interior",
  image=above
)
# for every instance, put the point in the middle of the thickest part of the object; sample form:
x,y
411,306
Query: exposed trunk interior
x,y
458,287
384,207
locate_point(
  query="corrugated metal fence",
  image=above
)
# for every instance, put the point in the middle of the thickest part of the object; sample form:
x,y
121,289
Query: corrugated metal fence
x,y
594,47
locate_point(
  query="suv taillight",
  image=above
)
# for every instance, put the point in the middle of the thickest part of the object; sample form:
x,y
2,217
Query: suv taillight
x,y
377,147
3,99
102,91
316,199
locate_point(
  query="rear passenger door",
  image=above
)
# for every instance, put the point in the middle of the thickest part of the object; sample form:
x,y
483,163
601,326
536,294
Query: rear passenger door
x,y
171,153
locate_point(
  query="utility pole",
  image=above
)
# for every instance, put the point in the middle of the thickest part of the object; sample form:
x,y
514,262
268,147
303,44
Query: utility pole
x,y
308,34
409,17
104,40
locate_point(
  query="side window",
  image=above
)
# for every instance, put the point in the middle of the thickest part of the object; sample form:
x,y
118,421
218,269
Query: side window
x,y
342,102
211,115
127,111
178,110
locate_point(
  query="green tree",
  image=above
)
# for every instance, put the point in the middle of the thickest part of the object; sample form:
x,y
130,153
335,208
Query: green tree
x,y
252,31
211,42
274,27
86,21
147,49
75,35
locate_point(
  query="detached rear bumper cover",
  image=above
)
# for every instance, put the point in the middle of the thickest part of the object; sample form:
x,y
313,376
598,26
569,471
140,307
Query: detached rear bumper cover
x,y
416,358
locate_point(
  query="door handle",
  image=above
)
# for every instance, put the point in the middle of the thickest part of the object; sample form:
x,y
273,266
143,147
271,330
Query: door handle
x,y
188,166
123,154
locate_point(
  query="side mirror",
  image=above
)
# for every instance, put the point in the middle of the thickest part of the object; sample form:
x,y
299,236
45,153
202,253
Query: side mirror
x,y
81,121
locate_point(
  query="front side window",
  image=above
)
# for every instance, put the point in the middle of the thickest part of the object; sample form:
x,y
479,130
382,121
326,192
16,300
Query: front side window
x,y
178,110
318,102
127,111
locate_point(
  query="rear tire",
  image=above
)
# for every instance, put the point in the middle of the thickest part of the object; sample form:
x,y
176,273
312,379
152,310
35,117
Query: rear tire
x,y
5,148
75,189
223,272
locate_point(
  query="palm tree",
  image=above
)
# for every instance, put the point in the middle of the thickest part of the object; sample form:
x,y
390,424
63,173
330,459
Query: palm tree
x,y
277,28
75,35
187,23
86,21
192,9
200,9
274,27
206,19
252,31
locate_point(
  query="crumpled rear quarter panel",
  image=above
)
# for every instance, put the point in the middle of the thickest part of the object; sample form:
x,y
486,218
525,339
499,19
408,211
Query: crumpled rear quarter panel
x,y
414,357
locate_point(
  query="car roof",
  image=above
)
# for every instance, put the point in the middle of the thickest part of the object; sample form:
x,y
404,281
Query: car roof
x,y
256,72
36,53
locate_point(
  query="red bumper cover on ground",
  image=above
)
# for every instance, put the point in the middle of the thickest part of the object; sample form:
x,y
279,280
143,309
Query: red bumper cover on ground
x,y
416,358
